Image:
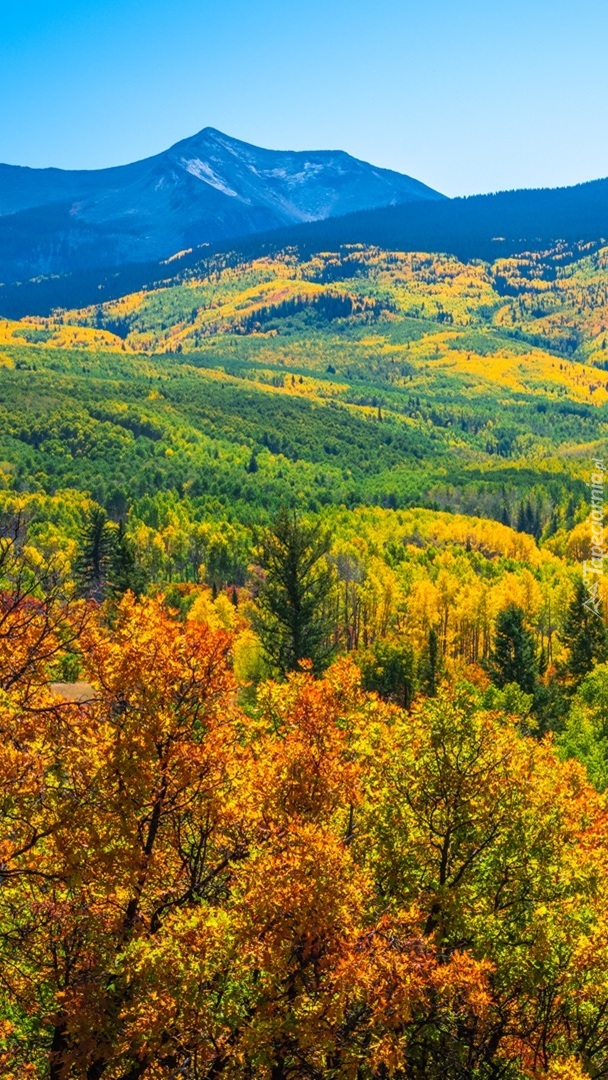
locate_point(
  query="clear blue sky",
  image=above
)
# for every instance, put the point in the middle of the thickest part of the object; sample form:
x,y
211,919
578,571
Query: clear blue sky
x,y
467,96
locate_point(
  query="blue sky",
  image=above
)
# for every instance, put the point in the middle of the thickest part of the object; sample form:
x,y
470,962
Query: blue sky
x,y
466,96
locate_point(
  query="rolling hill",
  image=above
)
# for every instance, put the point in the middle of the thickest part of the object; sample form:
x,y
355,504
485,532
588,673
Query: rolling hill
x,y
361,377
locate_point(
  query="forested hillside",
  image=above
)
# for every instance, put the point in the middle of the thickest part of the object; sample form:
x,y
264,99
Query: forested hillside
x,y
303,702
360,377
539,221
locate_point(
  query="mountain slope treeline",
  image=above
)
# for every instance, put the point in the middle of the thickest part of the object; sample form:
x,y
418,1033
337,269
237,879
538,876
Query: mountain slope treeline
x,y
205,189
487,227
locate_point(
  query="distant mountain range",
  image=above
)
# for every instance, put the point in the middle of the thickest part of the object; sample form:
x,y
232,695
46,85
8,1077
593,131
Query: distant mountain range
x,y
206,189
94,236
479,226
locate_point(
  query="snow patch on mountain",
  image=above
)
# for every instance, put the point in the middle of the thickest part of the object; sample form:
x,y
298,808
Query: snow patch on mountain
x,y
203,171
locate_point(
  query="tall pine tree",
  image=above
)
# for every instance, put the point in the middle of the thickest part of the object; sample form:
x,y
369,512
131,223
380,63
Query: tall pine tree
x,y
291,615
513,657
584,634
430,667
93,566
125,573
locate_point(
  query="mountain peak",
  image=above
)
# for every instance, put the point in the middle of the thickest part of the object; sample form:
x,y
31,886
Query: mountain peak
x,y
206,134
207,188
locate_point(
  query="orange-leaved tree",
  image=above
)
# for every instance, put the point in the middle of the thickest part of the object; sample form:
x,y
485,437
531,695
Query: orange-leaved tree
x,y
323,887
141,824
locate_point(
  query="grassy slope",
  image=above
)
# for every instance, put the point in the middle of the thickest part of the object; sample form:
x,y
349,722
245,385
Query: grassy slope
x,y
363,376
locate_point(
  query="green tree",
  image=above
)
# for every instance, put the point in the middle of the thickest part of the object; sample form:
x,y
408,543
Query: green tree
x,y
585,734
584,634
125,573
430,665
388,669
93,566
291,615
513,657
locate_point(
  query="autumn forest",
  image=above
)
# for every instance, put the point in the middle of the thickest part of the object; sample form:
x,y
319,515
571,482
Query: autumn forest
x,y
303,681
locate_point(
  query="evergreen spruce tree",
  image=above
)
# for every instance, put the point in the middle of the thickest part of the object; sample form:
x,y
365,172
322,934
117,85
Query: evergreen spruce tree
x,y
291,612
570,517
125,573
513,657
528,517
93,566
537,526
554,522
521,518
505,516
430,665
584,634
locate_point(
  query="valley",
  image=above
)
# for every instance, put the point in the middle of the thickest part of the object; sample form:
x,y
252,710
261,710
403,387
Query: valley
x,y
307,520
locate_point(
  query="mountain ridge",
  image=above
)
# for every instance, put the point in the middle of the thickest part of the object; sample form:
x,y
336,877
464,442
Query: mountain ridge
x,y
476,227
204,189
